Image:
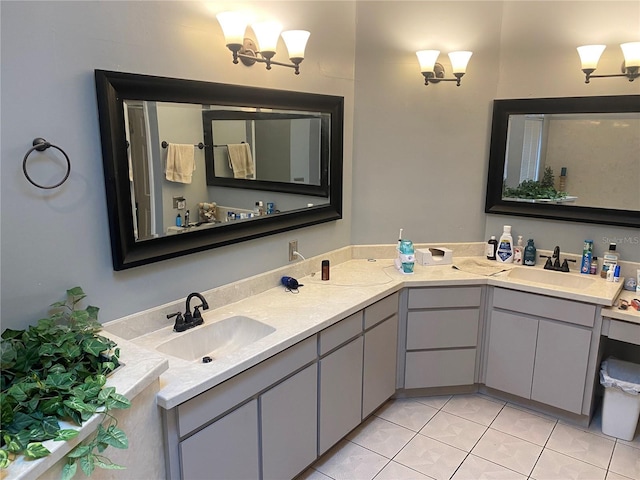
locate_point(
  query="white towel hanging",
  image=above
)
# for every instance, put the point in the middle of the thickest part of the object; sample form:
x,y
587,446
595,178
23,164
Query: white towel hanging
x,y
180,162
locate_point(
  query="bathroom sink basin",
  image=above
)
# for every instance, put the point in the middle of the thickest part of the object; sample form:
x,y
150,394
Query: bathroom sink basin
x,y
552,278
215,339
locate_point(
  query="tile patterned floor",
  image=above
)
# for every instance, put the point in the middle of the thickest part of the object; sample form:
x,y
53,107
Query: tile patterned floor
x,y
474,437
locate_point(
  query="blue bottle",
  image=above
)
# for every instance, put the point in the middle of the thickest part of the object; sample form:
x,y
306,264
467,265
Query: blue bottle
x,y
407,256
529,257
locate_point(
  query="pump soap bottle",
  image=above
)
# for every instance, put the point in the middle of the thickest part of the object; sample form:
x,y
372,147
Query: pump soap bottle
x,y
518,251
505,246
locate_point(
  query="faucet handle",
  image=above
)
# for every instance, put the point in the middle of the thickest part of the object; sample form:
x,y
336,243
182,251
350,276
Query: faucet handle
x,y
197,316
180,325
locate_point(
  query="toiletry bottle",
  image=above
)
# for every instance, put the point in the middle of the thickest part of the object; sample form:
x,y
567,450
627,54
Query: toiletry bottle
x,y
492,247
529,258
616,273
186,218
505,246
638,281
593,269
325,270
587,252
407,256
610,258
518,251
178,220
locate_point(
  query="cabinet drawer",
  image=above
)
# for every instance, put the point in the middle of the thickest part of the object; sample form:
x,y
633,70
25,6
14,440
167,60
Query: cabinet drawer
x,y
380,310
548,307
439,368
444,297
442,328
340,332
625,332
214,402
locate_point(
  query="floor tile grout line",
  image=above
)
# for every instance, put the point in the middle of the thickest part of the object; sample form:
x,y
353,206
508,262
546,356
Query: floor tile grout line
x,y
544,447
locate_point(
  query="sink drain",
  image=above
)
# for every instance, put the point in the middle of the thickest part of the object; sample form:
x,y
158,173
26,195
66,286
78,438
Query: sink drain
x,y
207,359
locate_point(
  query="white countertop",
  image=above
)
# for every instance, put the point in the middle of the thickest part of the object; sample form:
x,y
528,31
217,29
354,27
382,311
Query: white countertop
x,y
353,285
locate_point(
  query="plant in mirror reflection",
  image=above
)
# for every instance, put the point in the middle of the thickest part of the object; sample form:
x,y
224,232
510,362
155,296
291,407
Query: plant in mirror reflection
x,y
535,189
56,371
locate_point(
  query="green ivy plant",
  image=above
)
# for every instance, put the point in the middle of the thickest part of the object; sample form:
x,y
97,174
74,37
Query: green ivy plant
x,y
56,371
534,189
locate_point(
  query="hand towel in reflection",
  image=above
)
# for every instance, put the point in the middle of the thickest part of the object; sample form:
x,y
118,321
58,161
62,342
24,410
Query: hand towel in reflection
x,y
180,162
240,160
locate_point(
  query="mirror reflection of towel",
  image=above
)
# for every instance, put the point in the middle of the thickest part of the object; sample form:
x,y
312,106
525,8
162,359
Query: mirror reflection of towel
x,y
180,162
240,160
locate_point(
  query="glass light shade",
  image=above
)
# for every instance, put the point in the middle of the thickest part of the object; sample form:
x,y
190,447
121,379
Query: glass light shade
x,y
234,25
631,52
589,55
296,42
427,59
459,61
267,34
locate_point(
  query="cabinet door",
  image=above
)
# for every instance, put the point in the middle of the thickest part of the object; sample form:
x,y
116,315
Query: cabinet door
x,y
340,393
290,425
225,450
380,355
511,353
560,368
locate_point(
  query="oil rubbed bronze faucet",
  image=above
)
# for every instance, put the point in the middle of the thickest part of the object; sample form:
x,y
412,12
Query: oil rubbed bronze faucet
x,y
189,320
553,261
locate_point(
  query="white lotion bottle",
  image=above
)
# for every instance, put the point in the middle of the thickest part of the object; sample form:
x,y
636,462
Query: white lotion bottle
x,y
505,246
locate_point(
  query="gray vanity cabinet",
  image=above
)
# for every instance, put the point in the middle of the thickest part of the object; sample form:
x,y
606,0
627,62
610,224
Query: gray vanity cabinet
x,y
340,393
226,449
380,353
442,336
290,425
538,348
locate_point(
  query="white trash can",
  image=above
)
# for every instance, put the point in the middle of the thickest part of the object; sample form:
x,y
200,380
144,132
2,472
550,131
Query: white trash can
x,y
621,407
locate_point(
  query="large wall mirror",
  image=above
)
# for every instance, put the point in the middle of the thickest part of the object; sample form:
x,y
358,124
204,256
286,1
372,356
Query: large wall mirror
x,y
243,162
575,159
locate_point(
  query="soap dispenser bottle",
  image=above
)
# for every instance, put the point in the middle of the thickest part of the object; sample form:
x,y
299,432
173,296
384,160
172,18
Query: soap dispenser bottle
x,y
505,246
518,251
529,258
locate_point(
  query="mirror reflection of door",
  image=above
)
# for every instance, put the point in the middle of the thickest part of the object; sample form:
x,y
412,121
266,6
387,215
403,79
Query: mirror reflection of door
x,y
139,170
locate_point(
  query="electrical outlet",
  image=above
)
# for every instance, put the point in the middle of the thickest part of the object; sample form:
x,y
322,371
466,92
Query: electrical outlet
x,y
293,247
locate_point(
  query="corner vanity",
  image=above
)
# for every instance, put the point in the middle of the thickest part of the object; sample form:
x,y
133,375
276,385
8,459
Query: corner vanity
x,y
338,349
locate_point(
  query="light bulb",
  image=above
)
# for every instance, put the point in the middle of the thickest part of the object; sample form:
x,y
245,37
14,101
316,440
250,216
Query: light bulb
x,y
631,52
267,34
459,61
234,25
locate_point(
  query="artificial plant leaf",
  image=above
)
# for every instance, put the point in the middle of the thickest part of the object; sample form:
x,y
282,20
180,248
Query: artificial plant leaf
x,y
117,400
21,421
87,463
50,425
116,437
66,434
69,470
108,465
93,312
76,293
50,406
9,333
94,346
4,458
36,450
59,381
105,393
79,451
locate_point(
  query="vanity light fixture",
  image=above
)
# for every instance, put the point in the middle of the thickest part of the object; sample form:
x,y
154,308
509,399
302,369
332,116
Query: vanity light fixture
x,y
234,25
434,72
590,54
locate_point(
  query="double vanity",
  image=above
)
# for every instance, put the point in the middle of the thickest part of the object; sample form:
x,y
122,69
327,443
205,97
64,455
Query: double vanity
x,y
292,373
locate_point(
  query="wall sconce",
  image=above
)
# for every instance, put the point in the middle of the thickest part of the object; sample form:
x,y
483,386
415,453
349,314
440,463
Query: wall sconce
x,y
590,54
234,26
434,72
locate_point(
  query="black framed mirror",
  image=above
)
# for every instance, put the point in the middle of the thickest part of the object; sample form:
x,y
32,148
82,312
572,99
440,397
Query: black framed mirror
x,y
571,158
158,164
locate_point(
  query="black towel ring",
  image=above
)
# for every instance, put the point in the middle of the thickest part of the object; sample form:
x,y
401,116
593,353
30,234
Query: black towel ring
x,y
40,144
